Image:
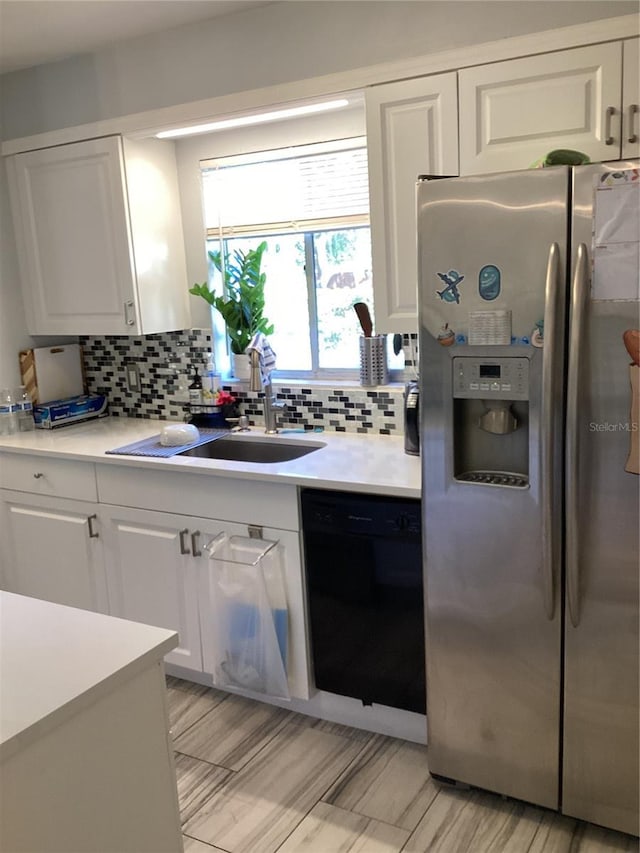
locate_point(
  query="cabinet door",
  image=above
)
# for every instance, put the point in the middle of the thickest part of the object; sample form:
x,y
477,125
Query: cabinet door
x,y
513,113
412,129
631,99
151,575
297,646
52,550
74,245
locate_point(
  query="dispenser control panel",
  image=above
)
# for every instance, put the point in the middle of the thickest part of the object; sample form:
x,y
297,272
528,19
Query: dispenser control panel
x,y
491,378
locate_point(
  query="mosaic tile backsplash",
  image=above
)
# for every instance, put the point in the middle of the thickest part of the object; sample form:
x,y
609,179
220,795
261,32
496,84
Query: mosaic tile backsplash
x,y
166,362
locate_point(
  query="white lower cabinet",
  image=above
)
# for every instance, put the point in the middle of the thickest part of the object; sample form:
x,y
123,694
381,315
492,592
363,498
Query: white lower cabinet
x,y
52,549
145,562
157,574
152,575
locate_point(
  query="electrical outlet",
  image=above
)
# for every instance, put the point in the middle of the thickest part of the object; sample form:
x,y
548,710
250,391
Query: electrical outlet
x,y
133,377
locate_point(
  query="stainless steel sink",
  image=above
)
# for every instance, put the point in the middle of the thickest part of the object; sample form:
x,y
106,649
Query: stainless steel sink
x,y
241,449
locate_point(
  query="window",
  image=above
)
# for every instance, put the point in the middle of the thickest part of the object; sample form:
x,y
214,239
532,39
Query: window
x,y
311,205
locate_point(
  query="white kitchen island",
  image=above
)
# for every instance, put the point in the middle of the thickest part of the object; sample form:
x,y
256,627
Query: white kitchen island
x,y
86,763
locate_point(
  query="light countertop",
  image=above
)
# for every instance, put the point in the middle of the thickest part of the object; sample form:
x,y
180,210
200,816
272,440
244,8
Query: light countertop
x,y
349,462
55,658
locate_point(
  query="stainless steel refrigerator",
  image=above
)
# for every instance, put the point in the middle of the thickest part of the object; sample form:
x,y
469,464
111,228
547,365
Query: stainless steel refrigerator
x,y
528,295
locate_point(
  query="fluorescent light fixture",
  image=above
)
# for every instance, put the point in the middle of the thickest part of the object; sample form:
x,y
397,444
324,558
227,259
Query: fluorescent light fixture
x,y
257,118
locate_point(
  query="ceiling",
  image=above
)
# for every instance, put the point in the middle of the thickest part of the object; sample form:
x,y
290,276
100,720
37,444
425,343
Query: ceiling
x,y
37,31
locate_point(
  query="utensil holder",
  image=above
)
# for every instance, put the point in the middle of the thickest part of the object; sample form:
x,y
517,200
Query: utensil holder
x,y
373,360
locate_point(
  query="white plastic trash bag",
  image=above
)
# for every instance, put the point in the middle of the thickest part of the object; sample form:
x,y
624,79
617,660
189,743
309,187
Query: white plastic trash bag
x,y
249,615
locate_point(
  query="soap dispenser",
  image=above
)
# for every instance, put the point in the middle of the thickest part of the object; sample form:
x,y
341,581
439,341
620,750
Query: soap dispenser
x,y
195,389
210,382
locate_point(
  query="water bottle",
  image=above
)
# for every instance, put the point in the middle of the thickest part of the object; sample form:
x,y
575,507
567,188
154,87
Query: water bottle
x,y
8,413
25,410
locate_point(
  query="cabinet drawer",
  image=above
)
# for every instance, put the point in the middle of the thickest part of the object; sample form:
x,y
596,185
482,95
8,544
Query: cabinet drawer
x,y
207,496
42,476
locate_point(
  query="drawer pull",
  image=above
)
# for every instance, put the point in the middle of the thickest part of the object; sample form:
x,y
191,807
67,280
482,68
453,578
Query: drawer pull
x,y
610,112
38,475
128,313
633,136
93,533
183,536
194,544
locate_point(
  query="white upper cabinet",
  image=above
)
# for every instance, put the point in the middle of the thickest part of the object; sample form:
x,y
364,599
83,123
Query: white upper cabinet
x,y
514,112
631,99
99,237
412,129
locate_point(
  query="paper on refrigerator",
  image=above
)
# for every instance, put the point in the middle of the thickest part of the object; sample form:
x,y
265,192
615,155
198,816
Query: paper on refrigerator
x,y
616,236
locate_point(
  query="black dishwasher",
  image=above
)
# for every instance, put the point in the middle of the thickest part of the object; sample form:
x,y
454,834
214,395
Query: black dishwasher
x,y
363,558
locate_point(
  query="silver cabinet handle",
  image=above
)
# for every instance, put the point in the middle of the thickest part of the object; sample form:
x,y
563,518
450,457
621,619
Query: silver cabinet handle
x,y
194,544
93,533
183,538
609,113
579,303
551,370
129,316
631,112
38,475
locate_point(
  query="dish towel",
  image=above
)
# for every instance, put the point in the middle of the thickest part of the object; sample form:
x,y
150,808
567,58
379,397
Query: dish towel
x,y
260,344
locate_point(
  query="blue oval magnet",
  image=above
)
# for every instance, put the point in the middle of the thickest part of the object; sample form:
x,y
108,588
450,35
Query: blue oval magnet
x,y
489,282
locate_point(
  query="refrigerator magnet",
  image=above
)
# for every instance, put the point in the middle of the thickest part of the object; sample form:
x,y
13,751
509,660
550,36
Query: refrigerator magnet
x,y
452,280
489,282
537,335
446,336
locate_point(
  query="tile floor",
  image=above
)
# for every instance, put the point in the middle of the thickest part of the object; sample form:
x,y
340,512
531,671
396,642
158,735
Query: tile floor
x,y
253,778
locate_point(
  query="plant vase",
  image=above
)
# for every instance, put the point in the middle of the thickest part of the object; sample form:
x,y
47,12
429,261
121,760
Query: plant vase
x,y
241,366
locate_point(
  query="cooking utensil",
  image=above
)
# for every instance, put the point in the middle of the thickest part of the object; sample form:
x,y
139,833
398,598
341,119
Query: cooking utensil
x,y
364,316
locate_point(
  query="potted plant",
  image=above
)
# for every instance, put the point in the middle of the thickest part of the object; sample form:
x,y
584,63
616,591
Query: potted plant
x,y
242,302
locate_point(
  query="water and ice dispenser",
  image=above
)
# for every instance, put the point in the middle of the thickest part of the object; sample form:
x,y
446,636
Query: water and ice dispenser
x,y
491,420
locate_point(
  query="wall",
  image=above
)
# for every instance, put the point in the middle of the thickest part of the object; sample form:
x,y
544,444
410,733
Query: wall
x,y
270,45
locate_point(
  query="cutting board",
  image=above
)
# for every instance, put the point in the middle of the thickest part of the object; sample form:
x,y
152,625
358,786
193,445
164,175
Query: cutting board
x,y
52,373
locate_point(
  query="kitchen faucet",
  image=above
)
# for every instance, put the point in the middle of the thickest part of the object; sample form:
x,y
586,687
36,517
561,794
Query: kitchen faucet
x,y
271,405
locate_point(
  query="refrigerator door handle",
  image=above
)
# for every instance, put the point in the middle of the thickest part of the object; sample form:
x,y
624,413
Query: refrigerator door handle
x,y
551,367
579,303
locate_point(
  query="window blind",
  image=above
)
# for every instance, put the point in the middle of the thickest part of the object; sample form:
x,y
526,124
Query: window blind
x,y
306,188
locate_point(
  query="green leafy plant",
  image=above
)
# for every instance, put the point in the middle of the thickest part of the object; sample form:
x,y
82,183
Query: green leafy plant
x,y
242,306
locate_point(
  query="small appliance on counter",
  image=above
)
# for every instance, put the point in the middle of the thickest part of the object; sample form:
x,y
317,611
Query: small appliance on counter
x,y
411,410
